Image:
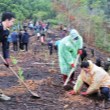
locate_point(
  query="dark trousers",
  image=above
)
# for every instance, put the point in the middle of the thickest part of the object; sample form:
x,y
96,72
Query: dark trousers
x,y
56,48
25,46
21,45
105,91
71,78
15,46
50,46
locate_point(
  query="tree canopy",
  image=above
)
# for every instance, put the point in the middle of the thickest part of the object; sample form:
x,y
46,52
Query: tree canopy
x,y
90,17
28,9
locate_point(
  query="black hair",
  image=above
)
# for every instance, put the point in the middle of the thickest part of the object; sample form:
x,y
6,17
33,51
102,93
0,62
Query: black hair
x,y
7,15
98,62
43,34
25,30
84,64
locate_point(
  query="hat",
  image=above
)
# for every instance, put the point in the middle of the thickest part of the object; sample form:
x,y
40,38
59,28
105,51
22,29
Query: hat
x,y
74,33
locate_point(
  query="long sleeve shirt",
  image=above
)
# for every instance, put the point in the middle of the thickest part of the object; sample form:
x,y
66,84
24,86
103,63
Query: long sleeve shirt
x,y
96,78
3,39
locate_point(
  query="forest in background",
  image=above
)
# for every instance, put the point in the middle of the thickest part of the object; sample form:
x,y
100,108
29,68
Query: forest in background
x,y
28,9
90,17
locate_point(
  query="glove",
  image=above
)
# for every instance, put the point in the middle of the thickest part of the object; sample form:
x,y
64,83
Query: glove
x,y
84,93
72,92
72,65
80,52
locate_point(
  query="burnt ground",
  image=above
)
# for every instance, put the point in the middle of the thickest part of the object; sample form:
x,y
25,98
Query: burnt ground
x,y
45,79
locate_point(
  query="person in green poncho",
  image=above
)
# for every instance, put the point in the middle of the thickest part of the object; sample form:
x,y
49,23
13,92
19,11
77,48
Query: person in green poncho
x,y
69,47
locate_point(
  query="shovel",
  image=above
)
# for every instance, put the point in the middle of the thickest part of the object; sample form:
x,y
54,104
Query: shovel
x,y
34,95
67,87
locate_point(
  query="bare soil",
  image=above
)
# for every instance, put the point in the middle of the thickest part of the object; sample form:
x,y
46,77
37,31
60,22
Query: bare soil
x,y
44,79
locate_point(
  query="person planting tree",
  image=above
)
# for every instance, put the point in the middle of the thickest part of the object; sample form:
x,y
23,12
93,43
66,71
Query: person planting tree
x,y
95,77
69,47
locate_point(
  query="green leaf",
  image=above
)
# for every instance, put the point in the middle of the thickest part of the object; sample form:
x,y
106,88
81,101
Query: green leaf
x,y
20,73
14,61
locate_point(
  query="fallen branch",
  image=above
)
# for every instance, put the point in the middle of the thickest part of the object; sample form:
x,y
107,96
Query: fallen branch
x,y
43,63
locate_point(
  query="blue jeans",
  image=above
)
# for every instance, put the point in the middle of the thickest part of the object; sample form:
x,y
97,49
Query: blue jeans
x,y
105,91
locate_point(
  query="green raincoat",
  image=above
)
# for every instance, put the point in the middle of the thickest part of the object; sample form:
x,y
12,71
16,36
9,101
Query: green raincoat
x,y
67,52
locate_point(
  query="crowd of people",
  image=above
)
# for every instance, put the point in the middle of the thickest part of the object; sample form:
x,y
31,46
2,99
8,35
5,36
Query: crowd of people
x,y
19,40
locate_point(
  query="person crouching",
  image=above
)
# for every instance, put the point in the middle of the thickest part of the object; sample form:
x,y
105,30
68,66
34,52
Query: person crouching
x,y
96,77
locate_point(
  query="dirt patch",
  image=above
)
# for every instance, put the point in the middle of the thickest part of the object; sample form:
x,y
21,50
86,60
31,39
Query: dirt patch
x,y
44,79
